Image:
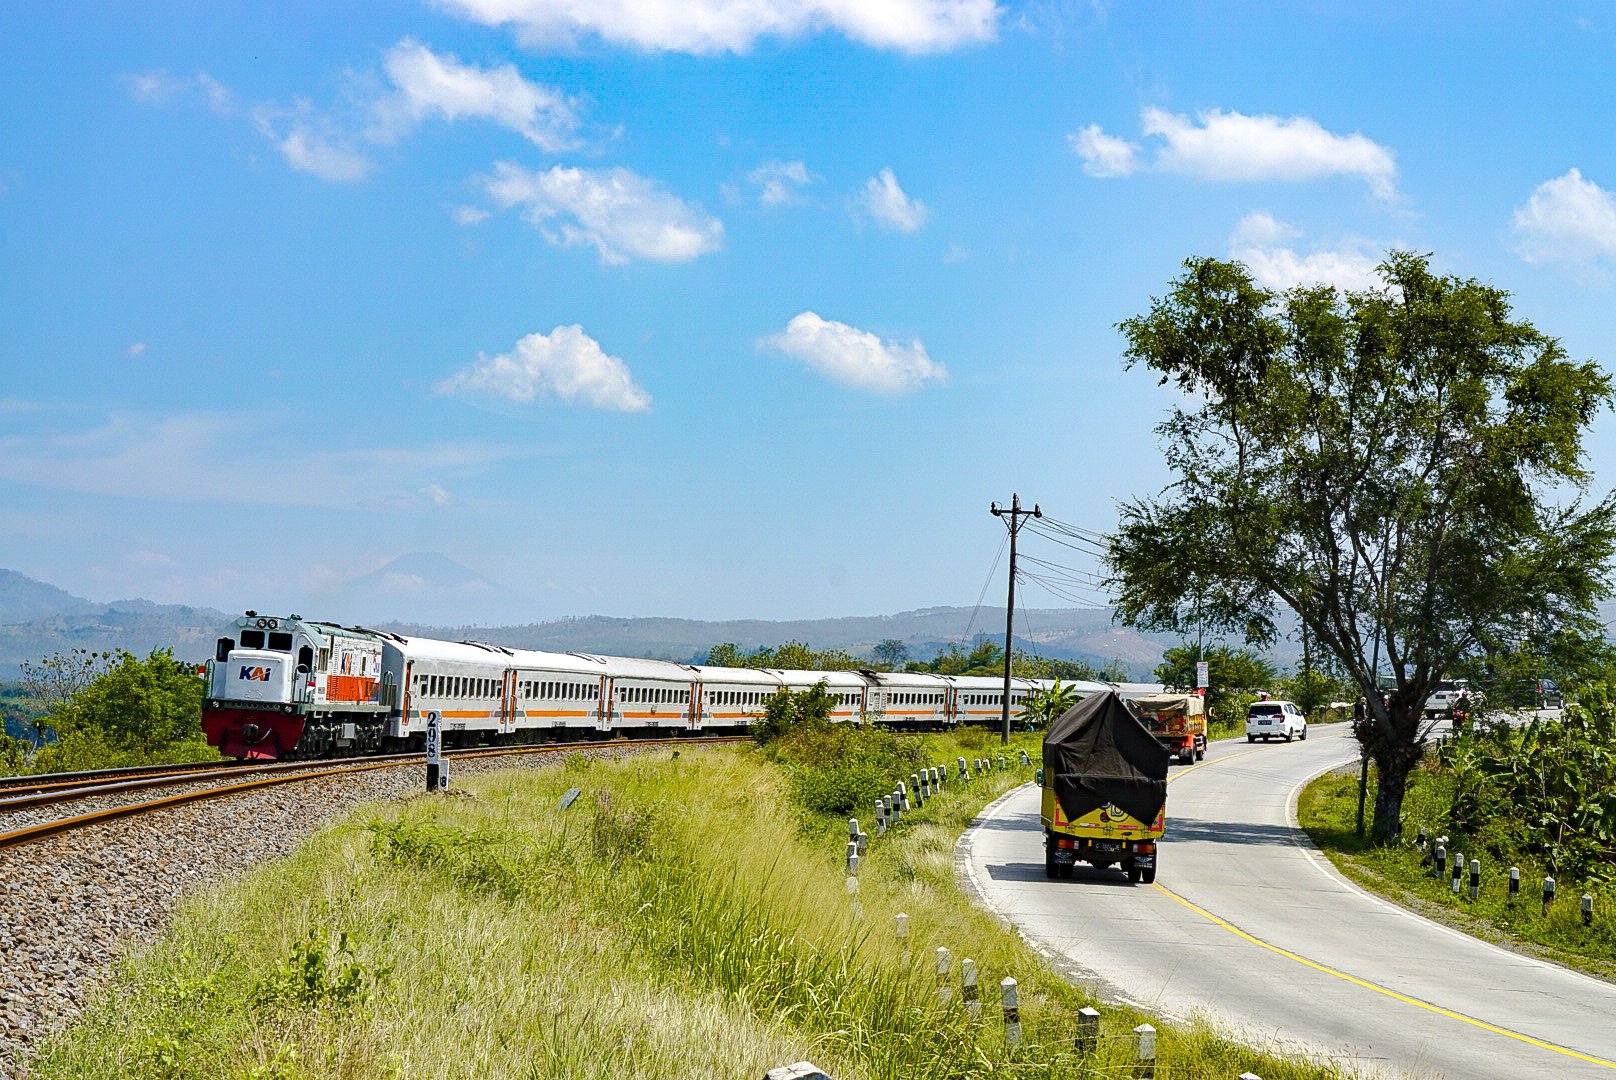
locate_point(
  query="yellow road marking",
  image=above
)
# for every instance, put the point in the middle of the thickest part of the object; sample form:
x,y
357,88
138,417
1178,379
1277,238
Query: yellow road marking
x,y
1354,980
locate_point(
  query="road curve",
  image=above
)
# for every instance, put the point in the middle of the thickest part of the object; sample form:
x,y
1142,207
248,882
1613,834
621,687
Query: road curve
x,y
1249,926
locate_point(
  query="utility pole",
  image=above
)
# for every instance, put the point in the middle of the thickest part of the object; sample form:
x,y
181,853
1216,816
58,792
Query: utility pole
x,y
1014,514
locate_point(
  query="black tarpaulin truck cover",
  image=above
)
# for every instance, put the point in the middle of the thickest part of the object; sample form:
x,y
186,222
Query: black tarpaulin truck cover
x,y
1099,752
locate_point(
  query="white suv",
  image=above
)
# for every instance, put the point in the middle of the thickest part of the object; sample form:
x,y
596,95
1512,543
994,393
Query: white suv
x,y
1275,720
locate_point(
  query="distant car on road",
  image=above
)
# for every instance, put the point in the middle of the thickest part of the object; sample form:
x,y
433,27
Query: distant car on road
x,y
1267,720
1447,695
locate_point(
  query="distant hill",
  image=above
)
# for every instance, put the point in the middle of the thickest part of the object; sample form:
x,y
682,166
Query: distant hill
x,y
23,598
37,620
1062,633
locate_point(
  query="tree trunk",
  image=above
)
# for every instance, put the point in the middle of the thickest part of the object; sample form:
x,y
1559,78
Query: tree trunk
x,y
1394,745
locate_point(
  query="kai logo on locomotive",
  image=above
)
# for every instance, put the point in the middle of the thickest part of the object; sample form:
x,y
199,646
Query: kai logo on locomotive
x,y
254,674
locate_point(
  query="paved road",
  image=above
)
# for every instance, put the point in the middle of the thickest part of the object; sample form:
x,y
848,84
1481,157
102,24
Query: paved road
x,y
1250,926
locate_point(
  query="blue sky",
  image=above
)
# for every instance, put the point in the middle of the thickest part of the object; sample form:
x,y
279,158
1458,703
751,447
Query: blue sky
x,y
708,309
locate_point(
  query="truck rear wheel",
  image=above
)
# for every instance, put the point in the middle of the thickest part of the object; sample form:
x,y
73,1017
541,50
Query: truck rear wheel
x,y
1133,871
1051,867
1149,875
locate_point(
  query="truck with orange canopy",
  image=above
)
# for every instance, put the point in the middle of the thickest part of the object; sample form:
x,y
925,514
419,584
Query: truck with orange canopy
x,y
1177,720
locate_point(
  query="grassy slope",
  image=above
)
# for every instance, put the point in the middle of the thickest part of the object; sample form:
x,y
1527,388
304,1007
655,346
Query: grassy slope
x,y
1328,811
679,920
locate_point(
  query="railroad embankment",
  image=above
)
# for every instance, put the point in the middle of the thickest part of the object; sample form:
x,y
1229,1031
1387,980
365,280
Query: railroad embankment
x,y
678,917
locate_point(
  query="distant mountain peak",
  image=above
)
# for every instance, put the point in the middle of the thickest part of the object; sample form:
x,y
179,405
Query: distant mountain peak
x,y
23,599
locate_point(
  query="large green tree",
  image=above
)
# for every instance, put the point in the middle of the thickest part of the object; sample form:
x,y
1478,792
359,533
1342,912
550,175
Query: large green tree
x,y
132,711
1401,467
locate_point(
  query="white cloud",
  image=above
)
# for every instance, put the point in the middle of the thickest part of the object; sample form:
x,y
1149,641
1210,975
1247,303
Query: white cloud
x,y
469,215
416,84
159,88
136,456
308,151
887,203
712,26
567,364
1257,242
779,183
430,84
1233,146
854,357
1102,154
1262,229
1218,145
310,145
136,349
1568,220
619,213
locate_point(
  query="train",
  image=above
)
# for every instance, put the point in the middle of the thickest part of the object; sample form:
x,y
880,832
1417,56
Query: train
x,y
293,688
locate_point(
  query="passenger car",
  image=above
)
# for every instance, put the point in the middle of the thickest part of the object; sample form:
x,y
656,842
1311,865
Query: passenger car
x,y
1267,720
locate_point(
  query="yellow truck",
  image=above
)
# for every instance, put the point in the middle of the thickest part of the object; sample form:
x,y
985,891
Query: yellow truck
x,y
1177,720
1104,786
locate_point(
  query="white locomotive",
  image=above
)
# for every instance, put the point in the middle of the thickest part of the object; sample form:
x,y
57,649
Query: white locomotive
x,y
281,688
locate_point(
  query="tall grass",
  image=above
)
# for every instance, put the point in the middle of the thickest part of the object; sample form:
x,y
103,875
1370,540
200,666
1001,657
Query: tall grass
x,y
683,918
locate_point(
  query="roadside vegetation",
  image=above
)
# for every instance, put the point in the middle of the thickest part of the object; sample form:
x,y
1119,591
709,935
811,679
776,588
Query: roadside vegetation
x,y
99,710
1541,797
682,917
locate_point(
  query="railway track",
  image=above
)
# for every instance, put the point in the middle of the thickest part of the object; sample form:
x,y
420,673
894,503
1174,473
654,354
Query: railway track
x,y
223,780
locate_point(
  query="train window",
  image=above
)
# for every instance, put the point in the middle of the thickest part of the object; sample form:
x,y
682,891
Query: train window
x,y
280,642
252,639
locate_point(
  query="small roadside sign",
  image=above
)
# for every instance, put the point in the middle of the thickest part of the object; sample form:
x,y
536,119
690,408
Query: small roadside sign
x,y
437,776
1202,671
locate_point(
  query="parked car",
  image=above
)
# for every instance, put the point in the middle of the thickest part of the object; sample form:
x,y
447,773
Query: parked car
x,y
1267,720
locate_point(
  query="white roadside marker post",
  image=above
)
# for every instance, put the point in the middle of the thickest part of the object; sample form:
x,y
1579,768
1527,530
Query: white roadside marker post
x,y
437,777
1011,1003
854,905
1144,1049
1458,871
1514,884
1088,1030
1548,894
1475,878
945,964
1587,909
969,992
